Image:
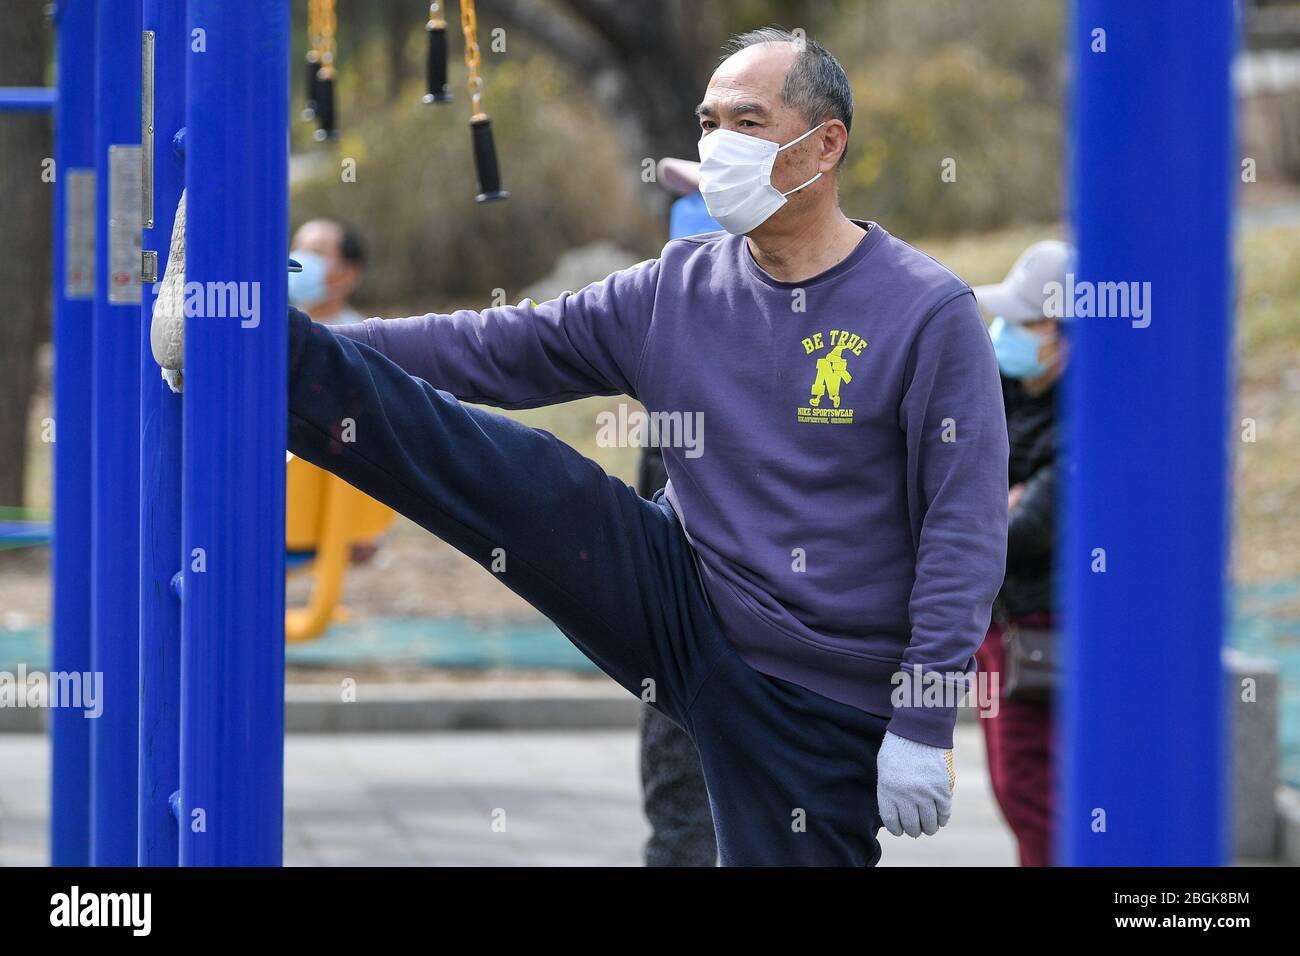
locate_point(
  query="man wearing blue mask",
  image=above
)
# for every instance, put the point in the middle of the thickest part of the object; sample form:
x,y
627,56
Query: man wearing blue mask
x,y
333,261
806,596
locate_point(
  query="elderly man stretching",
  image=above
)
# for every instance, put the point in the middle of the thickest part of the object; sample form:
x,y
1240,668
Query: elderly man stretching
x,y
809,562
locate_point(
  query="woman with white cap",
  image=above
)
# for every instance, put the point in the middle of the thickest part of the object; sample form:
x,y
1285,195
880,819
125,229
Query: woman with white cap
x,y
1020,646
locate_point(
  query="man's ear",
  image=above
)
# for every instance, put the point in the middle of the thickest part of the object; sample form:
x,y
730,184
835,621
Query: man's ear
x,y
835,139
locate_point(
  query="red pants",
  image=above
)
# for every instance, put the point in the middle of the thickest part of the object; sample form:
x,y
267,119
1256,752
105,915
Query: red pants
x,y
1019,742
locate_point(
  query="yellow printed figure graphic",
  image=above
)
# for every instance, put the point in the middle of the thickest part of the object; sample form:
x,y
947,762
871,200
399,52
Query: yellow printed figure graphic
x,y
832,375
832,370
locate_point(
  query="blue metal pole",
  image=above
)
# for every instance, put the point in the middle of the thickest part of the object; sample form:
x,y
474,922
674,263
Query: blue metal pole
x,y
74,300
232,665
27,99
166,42
115,463
1145,513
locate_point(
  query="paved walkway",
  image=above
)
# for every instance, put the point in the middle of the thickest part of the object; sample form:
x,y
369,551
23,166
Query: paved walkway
x,y
430,799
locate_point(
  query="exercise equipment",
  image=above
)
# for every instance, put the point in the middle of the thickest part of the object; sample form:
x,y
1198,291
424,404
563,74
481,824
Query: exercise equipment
x,y
1146,411
325,518
1147,488
486,166
322,26
20,528
435,65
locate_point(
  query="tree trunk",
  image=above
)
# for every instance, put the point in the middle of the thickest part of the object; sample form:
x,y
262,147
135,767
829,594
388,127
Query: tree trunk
x,y
648,72
26,197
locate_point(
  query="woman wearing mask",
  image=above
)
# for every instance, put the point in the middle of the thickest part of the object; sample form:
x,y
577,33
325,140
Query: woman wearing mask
x,y
1031,351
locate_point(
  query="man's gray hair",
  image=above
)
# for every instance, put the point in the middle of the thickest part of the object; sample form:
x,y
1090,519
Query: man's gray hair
x,y
815,84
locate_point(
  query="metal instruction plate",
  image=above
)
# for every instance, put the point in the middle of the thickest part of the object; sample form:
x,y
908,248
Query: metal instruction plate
x,y
125,202
79,234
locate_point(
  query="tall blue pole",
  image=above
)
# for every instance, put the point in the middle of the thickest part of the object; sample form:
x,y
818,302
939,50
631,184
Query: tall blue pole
x,y
74,300
115,456
232,656
1147,405
164,50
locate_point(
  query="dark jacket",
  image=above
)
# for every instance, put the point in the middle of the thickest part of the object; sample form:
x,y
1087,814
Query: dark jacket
x,y
651,475
1031,527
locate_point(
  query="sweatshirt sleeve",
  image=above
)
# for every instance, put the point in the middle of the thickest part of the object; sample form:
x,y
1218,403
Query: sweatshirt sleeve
x,y
954,421
579,344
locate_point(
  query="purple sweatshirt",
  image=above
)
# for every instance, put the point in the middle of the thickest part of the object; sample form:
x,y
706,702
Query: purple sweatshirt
x,y
847,495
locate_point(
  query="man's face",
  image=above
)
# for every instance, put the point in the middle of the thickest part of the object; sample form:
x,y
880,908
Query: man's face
x,y
325,239
744,95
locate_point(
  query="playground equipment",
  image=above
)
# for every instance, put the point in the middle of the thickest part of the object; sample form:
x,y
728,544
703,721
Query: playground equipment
x,y
325,518
321,104
435,67
20,528
485,153
321,26
186,763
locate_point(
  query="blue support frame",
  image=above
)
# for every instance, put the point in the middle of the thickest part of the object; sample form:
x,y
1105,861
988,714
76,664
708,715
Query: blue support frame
x,y
1142,736
235,424
115,460
160,469
28,99
74,155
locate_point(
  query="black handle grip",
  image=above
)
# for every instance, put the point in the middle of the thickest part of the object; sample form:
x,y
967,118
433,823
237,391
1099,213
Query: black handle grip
x,y
309,109
435,66
325,109
485,161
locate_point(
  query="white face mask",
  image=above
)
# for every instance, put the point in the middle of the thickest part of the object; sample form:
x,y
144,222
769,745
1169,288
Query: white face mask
x,y
736,178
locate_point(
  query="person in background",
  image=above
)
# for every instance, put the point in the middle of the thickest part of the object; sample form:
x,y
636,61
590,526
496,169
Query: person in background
x,y
333,260
674,797
1031,352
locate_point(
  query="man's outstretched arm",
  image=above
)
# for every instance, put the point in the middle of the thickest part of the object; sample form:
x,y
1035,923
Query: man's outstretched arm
x,y
579,344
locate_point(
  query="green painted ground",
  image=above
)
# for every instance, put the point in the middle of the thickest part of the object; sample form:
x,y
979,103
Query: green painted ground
x,y
1264,625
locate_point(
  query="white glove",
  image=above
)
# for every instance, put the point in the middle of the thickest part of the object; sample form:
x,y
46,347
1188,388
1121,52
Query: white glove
x,y
167,328
914,784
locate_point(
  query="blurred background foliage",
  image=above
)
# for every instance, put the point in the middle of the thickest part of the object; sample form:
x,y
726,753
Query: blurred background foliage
x,y
587,93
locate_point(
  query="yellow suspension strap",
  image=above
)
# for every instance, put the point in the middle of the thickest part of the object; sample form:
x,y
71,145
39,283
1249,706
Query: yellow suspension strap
x,y
435,64
321,28
485,153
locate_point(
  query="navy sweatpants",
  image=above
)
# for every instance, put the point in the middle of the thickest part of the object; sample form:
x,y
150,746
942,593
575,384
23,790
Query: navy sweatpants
x,y
791,775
